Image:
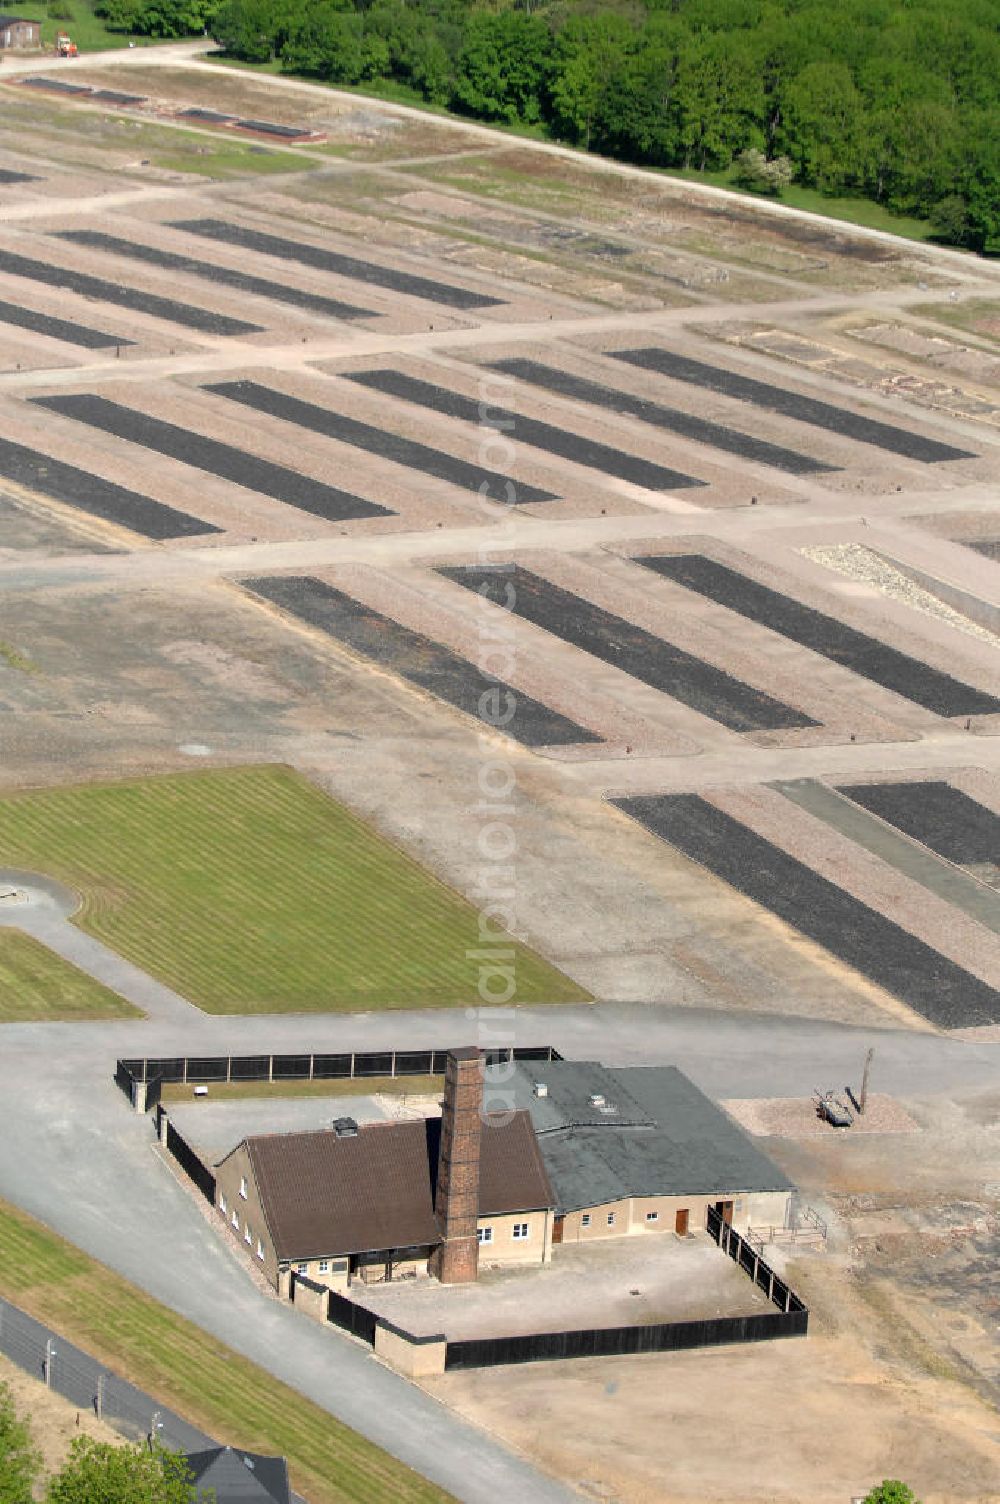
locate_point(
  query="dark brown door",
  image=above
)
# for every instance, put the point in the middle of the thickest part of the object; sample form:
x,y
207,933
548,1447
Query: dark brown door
x,y
557,1229
681,1222
725,1210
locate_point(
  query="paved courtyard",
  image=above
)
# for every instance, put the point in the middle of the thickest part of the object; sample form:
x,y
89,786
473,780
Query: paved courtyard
x,y
616,1282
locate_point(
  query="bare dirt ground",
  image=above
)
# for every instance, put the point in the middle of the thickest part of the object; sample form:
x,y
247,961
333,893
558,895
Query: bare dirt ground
x,y
54,1421
123,654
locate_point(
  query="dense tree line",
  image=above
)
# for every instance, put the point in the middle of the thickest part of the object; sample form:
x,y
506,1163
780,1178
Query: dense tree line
x,y
895,100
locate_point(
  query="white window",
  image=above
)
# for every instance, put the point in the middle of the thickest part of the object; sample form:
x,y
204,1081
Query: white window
x,y
611,1219
652,1216
260,1249
222,1203
236,1218
585,1219
520,1230
301,1268
247,1234
324,1266
485,1234
243,1187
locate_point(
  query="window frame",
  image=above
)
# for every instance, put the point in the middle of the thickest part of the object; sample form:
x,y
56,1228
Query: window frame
x,y
520,1232
484,1235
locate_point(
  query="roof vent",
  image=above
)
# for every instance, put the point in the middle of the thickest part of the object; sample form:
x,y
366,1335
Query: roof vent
x,y
541,1088
345,1127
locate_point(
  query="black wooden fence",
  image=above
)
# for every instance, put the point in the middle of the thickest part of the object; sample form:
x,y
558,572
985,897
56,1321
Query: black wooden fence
x,y
741,1252
352,1318
188,1160
613,1341
345,1066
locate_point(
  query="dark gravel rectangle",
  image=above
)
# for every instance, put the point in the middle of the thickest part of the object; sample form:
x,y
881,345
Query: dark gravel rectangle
x,y
7,175
125,297
210,117
57,85
419,660
113,96
64,329
876,947
672,419
778,399
864,655
270,128
545,436
333,261
90,493
379,441
937,815
228,463
702,686
280,292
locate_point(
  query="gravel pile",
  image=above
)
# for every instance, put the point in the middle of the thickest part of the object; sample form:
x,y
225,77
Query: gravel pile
x,y
856,562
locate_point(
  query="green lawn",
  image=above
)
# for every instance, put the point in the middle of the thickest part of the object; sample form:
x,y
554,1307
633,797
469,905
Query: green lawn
x,y
87,30
353,1086
35,983
248,890
206,1382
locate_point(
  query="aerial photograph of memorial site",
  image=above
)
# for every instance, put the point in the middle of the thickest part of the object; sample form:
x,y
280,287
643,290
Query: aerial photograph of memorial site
x,y
500,752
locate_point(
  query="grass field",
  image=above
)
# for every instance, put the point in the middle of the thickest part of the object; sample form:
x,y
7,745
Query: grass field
x,y
37,984
212,1386
87,30
248,890
361,1086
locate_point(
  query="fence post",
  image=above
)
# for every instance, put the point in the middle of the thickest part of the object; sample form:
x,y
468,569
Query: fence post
x,y
50,1353
788,1297
164,1127
270,1067
756,1266
770,1288
99,1398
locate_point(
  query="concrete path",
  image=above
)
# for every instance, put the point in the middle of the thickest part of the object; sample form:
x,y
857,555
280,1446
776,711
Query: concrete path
x,y
43,910
898,851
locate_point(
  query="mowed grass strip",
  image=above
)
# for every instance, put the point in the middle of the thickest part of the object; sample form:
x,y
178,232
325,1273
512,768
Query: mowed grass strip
x,y
356,1086
205,1381
36,984
248,890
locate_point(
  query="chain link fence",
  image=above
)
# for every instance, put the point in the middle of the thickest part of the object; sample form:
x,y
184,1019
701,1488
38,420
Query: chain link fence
x,y
88,1385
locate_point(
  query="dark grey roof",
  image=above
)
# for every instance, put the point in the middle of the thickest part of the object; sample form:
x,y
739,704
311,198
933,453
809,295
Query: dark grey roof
x,y
655,1134
240,1477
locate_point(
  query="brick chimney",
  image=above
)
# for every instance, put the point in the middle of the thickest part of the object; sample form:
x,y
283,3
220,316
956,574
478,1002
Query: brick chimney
x,y
456,1205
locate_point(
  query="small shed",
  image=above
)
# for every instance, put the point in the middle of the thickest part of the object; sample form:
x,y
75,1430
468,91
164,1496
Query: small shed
x,y
228,1476
18,32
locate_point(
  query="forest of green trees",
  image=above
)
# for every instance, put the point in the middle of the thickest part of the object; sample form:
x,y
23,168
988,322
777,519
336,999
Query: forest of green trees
x,y
893,100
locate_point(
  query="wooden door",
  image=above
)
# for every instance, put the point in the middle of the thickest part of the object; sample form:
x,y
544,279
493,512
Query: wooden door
x,y
725,1210
681,1222
557,1229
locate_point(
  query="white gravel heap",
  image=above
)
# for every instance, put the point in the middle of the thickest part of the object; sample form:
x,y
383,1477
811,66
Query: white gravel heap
x,y
863,564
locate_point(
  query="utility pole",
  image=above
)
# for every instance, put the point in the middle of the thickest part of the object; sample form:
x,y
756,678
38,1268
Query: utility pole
x,y
863,1101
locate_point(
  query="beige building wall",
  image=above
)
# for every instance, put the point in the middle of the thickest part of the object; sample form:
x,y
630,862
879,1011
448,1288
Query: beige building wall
x,y
658,1214
231,1178
504,1248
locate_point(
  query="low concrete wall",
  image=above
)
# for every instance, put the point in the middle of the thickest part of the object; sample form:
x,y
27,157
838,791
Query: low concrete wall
x,y
310,1298
414,1357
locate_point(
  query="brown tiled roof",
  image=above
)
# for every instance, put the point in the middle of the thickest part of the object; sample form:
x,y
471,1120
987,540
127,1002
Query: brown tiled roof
x,y
512,1175
324,1195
